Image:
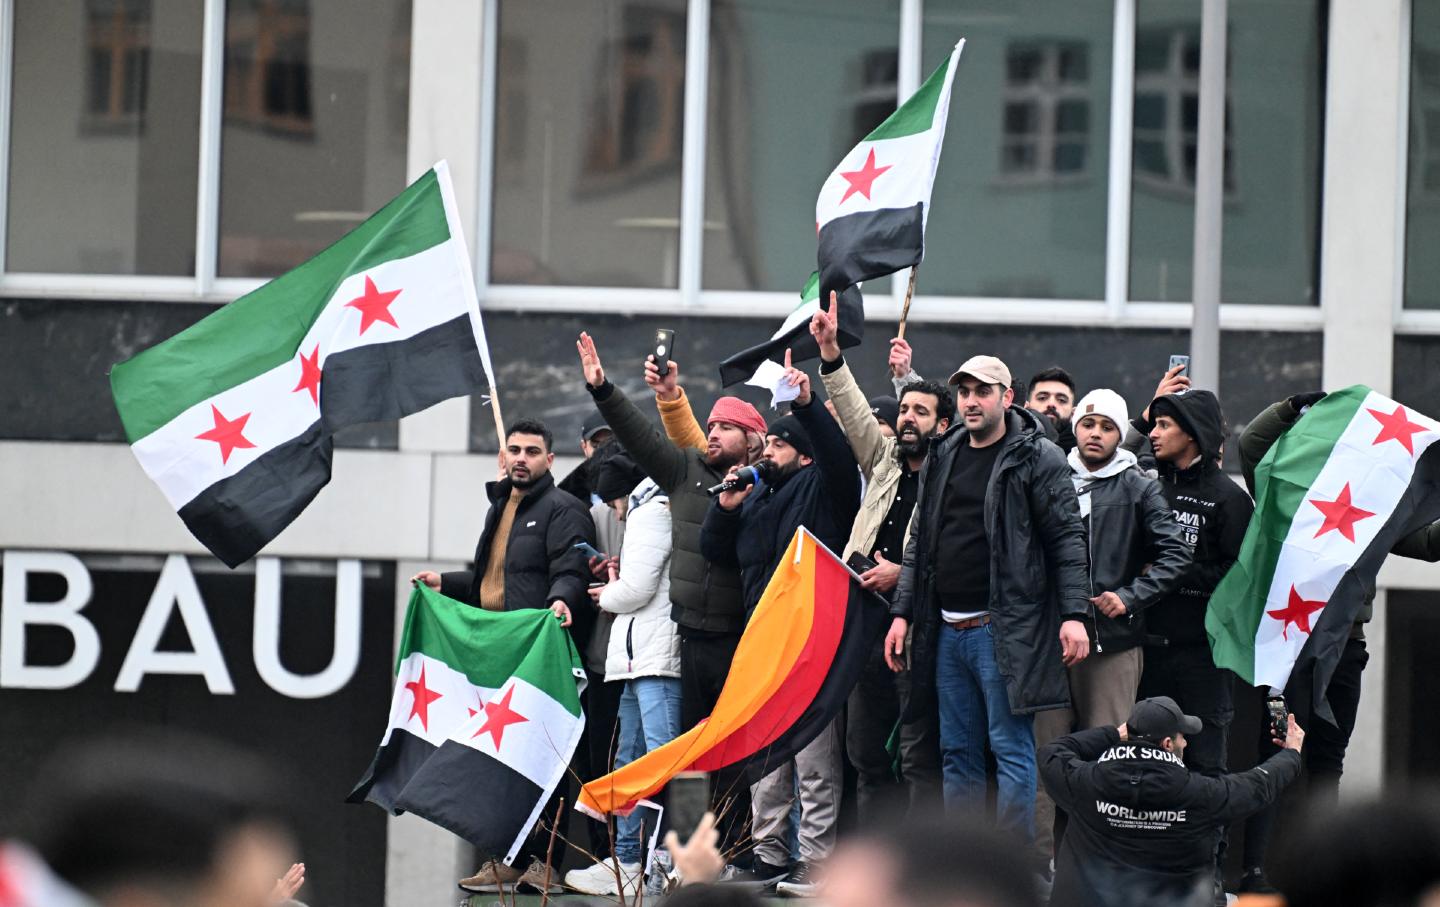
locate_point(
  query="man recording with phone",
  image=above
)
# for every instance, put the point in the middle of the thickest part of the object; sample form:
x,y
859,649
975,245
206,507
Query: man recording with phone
x,y
812,482
1143,828
891,467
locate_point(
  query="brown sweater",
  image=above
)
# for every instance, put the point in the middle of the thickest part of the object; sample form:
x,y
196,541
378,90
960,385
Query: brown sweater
x,y
492,585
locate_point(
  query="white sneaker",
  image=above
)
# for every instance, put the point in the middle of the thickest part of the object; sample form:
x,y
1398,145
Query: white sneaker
x,y
600,879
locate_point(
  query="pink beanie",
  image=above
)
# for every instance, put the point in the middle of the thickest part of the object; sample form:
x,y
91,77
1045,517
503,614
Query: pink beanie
x,y
737,412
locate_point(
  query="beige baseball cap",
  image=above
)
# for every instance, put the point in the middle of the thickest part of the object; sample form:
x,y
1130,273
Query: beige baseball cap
x,y
986,368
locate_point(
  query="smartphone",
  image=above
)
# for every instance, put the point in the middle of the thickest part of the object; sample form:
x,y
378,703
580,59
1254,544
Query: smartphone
x,y
1279,717
688,795
664,348
589,549
860,563
1182,361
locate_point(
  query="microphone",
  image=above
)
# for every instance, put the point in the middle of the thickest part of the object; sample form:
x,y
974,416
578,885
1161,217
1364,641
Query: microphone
x,y
747,476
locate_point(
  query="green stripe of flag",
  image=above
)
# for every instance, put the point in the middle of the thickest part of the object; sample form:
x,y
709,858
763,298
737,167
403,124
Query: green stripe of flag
x,y
263,329
917,114
529,644
1305,448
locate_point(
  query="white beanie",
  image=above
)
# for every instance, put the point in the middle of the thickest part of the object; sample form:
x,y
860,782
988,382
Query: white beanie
x,y
1102,402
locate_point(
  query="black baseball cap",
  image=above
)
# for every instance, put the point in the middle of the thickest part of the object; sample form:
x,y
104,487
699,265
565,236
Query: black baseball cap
x,y
1159,717
593,426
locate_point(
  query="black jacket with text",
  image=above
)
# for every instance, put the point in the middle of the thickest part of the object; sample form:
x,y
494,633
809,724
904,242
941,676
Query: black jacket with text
x,y
1211,512
1143,828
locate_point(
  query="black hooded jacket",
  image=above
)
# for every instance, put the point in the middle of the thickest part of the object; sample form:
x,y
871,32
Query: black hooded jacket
x,y
1211,510
1143,828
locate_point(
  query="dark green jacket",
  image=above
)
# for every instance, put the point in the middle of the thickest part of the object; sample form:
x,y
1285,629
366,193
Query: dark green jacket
x,y
705,598
1265,429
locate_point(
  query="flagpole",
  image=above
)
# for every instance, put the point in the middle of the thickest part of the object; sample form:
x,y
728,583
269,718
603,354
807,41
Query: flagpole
x,y
499,422
905,309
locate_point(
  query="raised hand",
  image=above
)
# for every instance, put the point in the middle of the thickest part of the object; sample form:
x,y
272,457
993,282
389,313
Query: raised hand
x,y
825,328
666,387
1171,382
286,886
590,360
797,378
900,357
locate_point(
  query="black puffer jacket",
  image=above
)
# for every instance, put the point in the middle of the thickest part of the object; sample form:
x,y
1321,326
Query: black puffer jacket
x,y
1131,526
1211,512
1037,564
823,497
1143,828
706,599
541,562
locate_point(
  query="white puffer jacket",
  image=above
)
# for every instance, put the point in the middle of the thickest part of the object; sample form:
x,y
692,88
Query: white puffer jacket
x,y
644,641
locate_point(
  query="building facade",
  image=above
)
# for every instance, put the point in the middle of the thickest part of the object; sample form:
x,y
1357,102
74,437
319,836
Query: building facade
x,y
624,165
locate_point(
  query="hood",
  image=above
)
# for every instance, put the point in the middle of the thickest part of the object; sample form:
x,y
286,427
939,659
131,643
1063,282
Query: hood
x,y
1122,461
1198,413
646,492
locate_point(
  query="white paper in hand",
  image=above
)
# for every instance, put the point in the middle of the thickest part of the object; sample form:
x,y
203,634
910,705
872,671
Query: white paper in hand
x,y
771,376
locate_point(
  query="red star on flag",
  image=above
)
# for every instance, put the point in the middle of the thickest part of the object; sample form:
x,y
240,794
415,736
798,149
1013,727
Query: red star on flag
x,y
226,433
498,716
1340,514
374,306
310,375
1396,426
423,697
1296,612
861,180
474,712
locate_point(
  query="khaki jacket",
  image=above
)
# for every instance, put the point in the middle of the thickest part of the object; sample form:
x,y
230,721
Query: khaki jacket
x,y
873,451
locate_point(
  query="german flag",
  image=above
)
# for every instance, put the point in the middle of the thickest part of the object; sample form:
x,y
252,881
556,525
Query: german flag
x,y
800,656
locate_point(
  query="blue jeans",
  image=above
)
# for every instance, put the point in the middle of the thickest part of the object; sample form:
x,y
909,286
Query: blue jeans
x,y
974,706
649,718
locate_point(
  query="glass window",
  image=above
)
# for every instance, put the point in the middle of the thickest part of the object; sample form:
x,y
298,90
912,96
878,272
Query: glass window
x,y
589,117
104,138
315,124
1020,197
1272,148
782,111
1422,199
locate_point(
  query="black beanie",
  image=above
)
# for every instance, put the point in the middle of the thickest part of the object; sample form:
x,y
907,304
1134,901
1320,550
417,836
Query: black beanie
x,y
886,409
788,429
616,477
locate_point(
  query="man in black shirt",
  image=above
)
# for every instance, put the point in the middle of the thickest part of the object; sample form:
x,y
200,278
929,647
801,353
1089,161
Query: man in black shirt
x,y
994,575
891,466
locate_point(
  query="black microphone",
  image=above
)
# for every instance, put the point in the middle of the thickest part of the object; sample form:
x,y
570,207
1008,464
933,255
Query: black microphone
x,y
747,476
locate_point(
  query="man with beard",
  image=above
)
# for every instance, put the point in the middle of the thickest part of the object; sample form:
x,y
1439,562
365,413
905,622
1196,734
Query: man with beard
x,y
995,581
526,558
812,482
1052,395
891,467
706,599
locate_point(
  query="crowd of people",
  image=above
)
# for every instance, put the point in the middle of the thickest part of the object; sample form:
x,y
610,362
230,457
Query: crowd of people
x,y
1046,560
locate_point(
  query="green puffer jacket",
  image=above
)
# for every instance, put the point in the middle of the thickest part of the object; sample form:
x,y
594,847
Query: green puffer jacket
x,y
1261,434
704,598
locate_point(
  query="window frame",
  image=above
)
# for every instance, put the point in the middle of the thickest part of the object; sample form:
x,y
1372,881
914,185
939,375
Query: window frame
x,y
689,296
